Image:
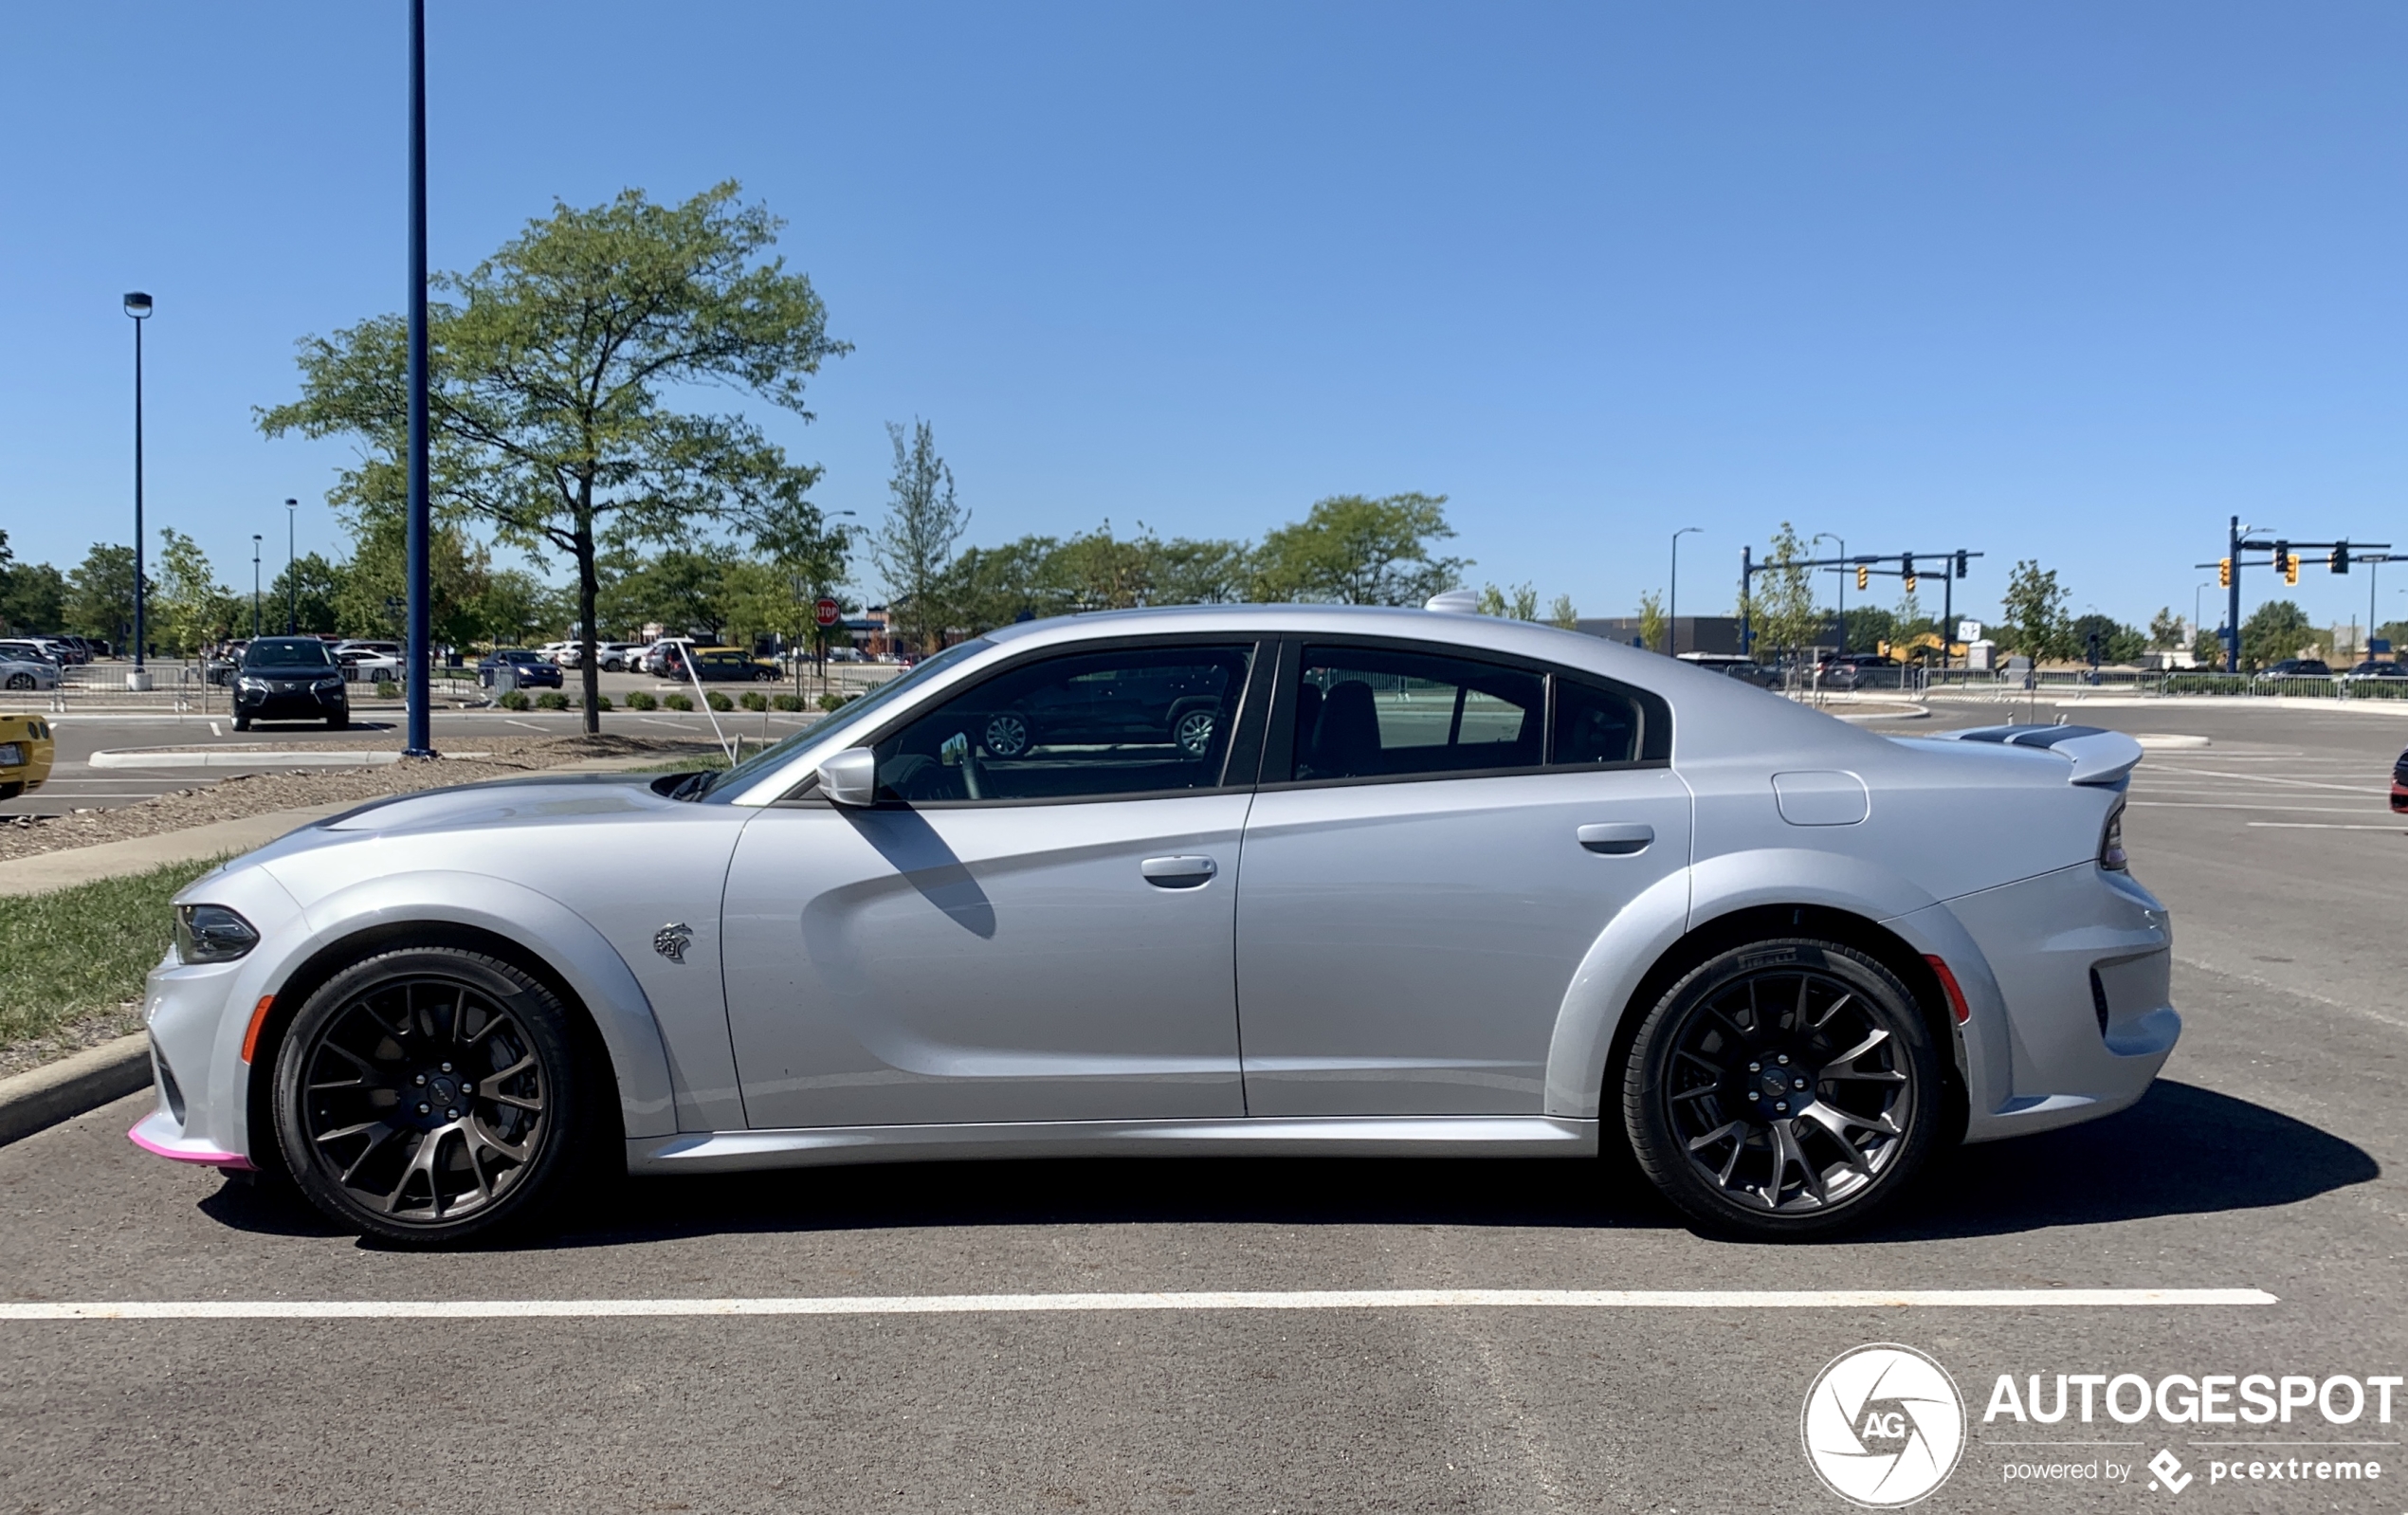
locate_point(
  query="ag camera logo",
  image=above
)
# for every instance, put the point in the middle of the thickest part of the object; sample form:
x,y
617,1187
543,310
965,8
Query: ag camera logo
x,y
1882,1426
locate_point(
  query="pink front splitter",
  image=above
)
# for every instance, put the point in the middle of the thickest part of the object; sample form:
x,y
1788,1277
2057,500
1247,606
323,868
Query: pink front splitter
x,y
202,1154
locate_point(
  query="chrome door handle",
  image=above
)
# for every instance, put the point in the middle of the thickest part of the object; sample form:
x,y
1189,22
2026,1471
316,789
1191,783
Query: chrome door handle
x,y
1616,838
1178,872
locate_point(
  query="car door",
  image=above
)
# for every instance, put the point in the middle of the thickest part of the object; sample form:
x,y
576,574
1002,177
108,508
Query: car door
x,y
1028,931
1437,841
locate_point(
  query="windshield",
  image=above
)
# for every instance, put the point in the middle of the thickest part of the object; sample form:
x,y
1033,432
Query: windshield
x,y
869,707
287,652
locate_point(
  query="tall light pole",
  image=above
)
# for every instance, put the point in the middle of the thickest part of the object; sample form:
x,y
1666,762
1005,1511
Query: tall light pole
x,y
2195,610
254,586
292,579
1828,537
137,305
1672,597
419,741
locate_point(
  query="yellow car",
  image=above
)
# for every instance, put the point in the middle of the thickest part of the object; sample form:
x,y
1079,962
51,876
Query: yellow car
x,y
26,750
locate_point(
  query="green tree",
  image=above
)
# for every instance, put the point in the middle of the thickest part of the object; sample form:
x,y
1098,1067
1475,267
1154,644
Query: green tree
x,y
1359,550
2207,648
2118,643
914,548
1519,604
1786,617
1562,615
683,589
1869,626
516,608
2033,607
1204,570
1651,623
308,586
2166,629
555,363
2277,629
987,587
100,596
188,604
33,597
371,596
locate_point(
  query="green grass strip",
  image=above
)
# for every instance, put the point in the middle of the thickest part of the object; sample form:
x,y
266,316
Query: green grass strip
x,y
70,952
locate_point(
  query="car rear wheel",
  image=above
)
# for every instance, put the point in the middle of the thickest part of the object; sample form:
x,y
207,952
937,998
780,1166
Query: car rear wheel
x,y
1781,1090
19,680
241,722
431,1095
1193,731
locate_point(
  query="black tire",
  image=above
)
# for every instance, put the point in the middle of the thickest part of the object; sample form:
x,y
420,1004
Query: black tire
x,y
1192,728
338,723
11,788
19,680
1782,1091
241,722
429,1096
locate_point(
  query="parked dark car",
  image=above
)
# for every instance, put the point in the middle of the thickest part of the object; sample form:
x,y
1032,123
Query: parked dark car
x,y
1747,671
534,668
1858,670
2400,785
2371,670
290,678
1175,704
725,664
2299,669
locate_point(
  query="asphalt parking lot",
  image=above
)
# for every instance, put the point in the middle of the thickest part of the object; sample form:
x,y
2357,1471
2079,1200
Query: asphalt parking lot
x,y
2268,1158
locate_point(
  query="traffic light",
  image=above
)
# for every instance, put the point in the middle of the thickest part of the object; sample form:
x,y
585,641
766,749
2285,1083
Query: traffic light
x,y
2223,573
2290,568
1961,555
2339,562
2283,557
1864,576
1911,583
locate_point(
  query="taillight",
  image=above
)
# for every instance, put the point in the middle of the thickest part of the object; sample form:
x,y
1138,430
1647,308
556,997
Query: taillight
x,y
2112,842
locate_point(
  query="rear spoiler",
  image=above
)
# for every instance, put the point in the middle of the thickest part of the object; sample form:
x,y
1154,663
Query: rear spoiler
x,y
2099,757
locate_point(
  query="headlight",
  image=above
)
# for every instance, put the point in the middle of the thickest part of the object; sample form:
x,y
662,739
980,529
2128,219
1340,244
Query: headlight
x,y
11,755
332,681
2111,841
211,933
246,682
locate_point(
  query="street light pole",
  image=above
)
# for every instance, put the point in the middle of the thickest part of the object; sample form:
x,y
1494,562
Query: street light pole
x,y
292,579
1825,535
137,305
420,740
254,586
1673,599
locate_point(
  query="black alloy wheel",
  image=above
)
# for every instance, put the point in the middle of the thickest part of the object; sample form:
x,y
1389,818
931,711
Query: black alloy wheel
x,y
1782,1091
1007,735
428,1095
19,680
1193,732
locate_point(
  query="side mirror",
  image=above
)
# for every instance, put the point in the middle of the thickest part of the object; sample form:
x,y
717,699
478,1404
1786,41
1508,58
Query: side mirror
x,y
850,778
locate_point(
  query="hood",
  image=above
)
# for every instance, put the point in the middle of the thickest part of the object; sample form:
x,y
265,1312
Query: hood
x,y
502,803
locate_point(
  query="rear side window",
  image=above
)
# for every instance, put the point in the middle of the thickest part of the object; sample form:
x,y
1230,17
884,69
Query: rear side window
x,y
1374,713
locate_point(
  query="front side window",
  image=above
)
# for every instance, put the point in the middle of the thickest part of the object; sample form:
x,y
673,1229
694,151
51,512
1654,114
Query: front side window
x,y
1377,713
1085,726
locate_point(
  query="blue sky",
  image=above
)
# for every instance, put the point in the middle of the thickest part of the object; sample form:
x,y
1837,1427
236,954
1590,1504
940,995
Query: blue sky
x,y
2069,282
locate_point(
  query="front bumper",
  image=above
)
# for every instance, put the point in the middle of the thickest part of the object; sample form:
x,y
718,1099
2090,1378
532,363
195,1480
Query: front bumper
x,y
2081,1015
306,704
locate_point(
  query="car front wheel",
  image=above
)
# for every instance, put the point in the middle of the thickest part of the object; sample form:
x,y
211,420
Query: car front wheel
x,y
1782,1091
428,1095
19,680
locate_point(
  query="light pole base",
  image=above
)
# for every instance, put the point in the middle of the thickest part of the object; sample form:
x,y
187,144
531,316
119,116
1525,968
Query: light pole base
x,y
138,681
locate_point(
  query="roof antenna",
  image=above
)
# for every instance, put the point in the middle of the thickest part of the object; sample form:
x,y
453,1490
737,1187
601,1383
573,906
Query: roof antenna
x,y
1453,602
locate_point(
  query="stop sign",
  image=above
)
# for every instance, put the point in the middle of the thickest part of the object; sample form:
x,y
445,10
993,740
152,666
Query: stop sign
x,y
827,613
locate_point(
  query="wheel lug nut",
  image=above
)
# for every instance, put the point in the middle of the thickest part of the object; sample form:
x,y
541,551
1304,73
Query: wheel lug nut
x,y
1782,1059
422,1109
1782,1106
420,1079
1799,1083
1755,1067
451,1115
446,1068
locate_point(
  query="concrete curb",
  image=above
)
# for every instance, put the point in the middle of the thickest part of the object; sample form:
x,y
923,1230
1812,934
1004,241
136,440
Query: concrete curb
x,y
59,1091
242,758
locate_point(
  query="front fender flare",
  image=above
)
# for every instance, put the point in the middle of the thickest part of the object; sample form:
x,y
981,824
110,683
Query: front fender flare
x,y
566,942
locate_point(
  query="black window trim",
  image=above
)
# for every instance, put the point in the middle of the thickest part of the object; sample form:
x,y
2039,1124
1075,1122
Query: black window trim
x,y
1245,749
1276,773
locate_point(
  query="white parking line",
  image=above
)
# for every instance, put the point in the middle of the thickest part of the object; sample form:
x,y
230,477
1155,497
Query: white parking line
x,y
1366,1299
2401,825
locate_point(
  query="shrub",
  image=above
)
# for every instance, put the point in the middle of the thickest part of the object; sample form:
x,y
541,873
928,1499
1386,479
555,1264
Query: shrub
x,y
832,700
640,700
387,689
786,701
601,702
752,700
718,701
513,700
552,700
678,702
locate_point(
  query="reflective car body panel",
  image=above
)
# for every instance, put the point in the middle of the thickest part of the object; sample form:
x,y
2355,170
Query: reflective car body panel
x,y
1274,952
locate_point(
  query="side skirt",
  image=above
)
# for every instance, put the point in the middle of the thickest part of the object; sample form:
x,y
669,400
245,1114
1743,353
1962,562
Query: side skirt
x,y
1442,1136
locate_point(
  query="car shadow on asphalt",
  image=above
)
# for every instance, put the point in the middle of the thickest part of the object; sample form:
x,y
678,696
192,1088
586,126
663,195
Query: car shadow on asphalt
x,y
2182,1150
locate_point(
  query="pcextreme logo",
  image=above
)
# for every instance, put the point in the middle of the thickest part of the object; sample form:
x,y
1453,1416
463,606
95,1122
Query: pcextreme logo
x,y
1882,1426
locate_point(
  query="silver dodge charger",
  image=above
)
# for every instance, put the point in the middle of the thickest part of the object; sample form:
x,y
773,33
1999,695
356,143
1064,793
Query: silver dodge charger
x,y
1253,879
